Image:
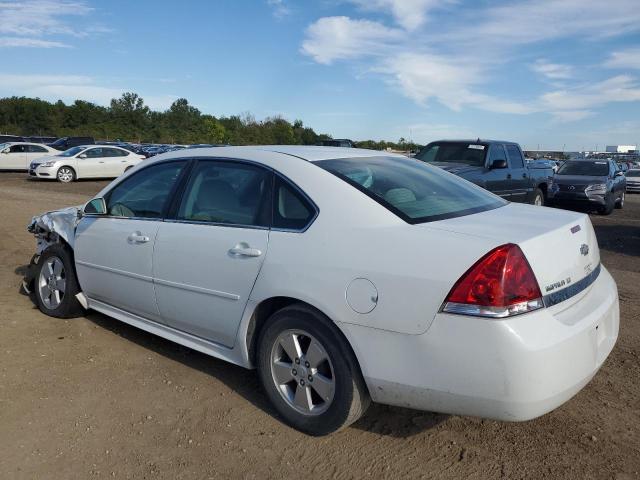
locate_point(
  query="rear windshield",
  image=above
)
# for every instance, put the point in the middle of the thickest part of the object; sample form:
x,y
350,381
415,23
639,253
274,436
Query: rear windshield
x,y
592,169
633,173
411,189
472,154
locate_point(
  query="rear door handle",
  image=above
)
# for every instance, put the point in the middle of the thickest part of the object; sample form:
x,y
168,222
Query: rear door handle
x,y
244,250
137,237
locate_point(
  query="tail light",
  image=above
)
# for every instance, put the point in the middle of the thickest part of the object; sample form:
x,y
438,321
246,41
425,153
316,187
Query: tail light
x,y
500,284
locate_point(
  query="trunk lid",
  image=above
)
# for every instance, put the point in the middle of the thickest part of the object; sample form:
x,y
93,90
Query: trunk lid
x,y
560,245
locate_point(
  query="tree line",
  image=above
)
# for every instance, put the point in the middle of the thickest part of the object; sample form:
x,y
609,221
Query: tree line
x,y
128,119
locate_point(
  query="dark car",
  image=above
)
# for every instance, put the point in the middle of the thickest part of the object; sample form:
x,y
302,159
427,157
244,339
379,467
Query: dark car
x,y
495,165
11,138
337,142
66,143
40,139
598,184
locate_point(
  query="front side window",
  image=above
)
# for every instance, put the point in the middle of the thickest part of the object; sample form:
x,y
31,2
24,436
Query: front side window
x,y
411,189
95,153
227,193
291,210
144,194
472,154
17,149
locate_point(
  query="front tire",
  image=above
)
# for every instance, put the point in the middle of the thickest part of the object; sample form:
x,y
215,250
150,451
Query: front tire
x,y
609,205
538,198
56,285
620,202
66,175
309,372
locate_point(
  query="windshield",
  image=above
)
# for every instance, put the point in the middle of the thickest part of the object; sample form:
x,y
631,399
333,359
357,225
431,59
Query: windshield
x,y
72,151
413,190
592,169
472,154
630,173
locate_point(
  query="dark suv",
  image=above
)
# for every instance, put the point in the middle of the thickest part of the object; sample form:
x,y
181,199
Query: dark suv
x,y
593,183
66,143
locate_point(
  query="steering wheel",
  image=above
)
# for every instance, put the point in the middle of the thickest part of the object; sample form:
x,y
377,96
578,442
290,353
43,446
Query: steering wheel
x,y
121,210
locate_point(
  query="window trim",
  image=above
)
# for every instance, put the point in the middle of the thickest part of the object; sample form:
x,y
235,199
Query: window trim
x,y
297,189
169,197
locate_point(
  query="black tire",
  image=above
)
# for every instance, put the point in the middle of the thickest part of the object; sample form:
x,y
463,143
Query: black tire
x,y
350,395
66,175
609,205
620,202
538,198
68,306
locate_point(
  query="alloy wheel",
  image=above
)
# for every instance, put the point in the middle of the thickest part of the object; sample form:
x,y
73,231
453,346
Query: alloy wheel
x,y
302,372
52,283
65,175
538,201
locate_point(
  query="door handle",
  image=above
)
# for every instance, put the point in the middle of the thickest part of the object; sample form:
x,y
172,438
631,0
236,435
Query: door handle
x,y
524,175
508,176
137,237
244,250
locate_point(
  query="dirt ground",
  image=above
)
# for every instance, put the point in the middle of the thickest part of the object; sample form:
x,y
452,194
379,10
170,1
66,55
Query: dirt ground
x,y
92,397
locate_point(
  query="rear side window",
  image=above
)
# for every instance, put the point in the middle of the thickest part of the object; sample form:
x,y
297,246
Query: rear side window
x,y
227,193
515,156
291,210
144,194
37,149
411,189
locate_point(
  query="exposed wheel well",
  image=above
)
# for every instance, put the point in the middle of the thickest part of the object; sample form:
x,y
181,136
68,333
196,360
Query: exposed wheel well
x,y
267,308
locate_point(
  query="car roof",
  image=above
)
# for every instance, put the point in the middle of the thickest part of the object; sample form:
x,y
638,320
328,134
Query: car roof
x,y
474,140
308,153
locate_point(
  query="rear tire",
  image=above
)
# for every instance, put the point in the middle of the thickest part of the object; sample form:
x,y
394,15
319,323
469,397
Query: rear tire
x,y
55,285
538,198
320,390
620,202
66,174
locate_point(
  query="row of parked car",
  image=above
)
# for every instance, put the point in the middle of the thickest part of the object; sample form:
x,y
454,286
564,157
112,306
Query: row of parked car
x,y
501,168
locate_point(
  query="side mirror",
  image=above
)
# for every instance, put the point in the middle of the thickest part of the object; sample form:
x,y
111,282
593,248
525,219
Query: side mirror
x,y
82,155
500,163
97,206
5,151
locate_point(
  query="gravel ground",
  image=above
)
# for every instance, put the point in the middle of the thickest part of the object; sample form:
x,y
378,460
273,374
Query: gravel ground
x,y
92,397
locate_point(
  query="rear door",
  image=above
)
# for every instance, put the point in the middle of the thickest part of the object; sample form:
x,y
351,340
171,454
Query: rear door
x,y
206,259
114,252
33,152
115,161
497,180
519,181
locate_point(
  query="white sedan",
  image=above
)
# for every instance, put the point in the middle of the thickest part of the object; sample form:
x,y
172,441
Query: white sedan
x,y
88,161
344,276
18,155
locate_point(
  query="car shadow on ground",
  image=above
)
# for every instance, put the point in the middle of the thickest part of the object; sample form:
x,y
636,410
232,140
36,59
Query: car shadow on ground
x,y
380,419
624,239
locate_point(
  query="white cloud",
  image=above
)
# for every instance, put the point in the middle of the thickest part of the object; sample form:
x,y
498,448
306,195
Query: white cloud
x,y
33,23
340,38
445,64
625,59
280,8
410,14
70,88
553,71
7,42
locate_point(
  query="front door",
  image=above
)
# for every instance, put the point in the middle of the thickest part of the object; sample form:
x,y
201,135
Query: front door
x,y
521,189
114,252
15,159
497,180
206,259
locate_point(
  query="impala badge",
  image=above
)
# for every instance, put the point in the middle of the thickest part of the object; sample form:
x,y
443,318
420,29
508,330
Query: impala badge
x,y
584,249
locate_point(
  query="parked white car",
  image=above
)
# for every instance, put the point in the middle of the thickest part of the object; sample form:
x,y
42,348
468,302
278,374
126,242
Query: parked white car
x,y
88,161
18,155
344,276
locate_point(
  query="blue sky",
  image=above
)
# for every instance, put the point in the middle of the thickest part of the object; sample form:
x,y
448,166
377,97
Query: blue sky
x,y
552,73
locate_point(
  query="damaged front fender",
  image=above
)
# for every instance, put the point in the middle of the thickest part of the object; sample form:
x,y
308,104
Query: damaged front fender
x,y
51,227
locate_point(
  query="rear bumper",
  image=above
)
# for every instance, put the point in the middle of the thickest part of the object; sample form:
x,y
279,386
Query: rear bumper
x,y
515,369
